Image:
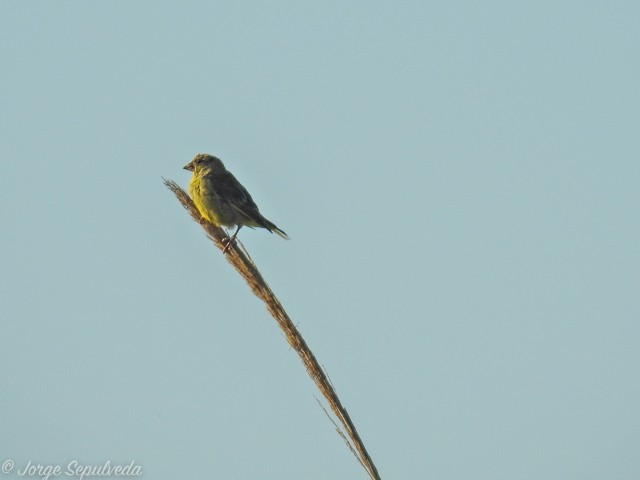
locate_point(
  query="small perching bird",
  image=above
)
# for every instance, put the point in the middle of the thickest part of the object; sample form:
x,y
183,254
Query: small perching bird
x,y
221,198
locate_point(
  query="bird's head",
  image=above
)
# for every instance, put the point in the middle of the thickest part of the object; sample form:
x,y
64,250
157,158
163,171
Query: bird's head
x,y
203,162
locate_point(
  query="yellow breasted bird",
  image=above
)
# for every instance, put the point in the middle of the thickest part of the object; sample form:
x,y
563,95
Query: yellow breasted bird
x,y
222,199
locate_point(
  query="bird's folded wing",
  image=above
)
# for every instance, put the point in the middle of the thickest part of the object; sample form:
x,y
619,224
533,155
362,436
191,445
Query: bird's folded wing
x,y
231,191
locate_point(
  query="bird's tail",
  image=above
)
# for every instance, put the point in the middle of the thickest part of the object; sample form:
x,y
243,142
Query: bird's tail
x,y
272,228
281,233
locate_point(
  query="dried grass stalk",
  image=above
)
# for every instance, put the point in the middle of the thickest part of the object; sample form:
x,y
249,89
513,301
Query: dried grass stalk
x,y
239,258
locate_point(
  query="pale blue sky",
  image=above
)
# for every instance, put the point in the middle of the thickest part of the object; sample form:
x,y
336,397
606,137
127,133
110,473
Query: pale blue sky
x,y
460,181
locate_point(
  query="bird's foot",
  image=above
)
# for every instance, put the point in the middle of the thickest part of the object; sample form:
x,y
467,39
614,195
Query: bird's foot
x,y
228,243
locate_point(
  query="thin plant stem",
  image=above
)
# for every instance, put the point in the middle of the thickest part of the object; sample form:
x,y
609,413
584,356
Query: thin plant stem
x,y
240,259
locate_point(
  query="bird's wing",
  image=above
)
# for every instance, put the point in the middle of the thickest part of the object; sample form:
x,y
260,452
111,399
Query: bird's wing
x,y
231,191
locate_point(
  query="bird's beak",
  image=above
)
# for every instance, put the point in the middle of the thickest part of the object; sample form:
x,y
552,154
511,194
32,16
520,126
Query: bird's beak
x,y
189,166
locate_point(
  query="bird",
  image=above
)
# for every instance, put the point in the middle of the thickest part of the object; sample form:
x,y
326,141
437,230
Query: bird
x,y
222,200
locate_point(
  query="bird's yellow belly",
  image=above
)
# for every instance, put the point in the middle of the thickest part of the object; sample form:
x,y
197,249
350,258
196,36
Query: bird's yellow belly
x,y
210,206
